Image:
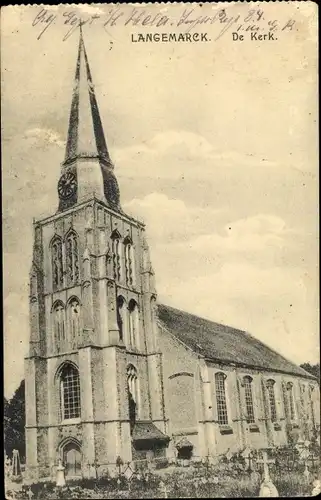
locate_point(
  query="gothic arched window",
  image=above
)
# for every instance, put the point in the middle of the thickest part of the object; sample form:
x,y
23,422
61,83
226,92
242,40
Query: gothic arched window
x,y
116,251
56,263
133,322
69,392
271,395
129,261
73,311
132,385
311,404
249,399
220,392
121,316
72,258
303,401
59,319
290,400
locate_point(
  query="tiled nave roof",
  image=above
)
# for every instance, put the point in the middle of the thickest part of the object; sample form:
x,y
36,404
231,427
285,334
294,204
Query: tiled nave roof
x,y
223,343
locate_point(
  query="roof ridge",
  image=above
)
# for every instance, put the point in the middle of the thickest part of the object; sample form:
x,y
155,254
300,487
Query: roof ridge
x,y
204,319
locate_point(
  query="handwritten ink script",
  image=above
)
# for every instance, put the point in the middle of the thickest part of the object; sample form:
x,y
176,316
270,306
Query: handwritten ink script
x,y
254,20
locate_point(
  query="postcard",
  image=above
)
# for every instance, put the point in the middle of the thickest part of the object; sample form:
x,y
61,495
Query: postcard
x,y
160,249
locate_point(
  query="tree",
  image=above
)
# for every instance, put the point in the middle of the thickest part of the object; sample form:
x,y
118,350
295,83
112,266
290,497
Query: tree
x,y
313,369
14,422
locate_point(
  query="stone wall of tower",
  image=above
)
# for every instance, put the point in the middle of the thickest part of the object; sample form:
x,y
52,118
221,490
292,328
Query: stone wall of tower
x,y
100,356
97,288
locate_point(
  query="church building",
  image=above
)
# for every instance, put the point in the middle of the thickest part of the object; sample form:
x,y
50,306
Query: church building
x,y
111,374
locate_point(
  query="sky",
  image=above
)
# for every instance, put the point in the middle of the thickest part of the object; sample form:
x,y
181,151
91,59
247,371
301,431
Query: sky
x,y
215,147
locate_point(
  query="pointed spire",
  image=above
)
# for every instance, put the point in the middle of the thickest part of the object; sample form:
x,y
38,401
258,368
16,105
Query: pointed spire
x,y
85,134
87,170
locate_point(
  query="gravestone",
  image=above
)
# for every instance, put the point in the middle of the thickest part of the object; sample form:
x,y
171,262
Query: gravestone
x,y
267,488
128,472
7,466
163,489
300,446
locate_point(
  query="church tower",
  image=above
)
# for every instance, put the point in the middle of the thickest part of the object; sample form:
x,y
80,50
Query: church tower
x,y
94,384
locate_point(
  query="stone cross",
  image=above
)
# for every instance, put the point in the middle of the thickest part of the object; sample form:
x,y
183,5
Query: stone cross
x,y
29,494
306,472
247,455
60,474
265,461
7,464
267,488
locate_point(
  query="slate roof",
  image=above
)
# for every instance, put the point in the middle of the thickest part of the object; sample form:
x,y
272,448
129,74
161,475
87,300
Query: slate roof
x,y
223,343
147,431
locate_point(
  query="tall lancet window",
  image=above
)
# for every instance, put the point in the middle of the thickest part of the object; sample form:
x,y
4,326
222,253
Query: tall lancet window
x,y
290,400
272,403
220,390
73,322
311,404
249,399
116,251
303,401
59,326
129,261
72,258
132,384
133,323
56,263
69,392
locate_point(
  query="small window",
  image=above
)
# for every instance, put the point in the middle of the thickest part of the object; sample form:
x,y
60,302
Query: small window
x,y
249,399
129,262
133,323
221,398
70,393
116,251
271,395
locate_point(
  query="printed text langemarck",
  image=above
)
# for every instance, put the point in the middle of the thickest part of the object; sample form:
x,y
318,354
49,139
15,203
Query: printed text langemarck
x,y
169,37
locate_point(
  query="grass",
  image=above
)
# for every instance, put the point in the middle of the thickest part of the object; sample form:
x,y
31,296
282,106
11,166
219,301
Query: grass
x,y
179,484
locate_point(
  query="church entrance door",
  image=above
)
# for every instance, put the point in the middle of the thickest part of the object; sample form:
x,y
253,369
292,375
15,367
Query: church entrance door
x,y
72,460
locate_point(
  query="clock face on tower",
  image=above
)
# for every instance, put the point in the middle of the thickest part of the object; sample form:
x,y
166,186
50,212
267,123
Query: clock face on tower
x,y
67,185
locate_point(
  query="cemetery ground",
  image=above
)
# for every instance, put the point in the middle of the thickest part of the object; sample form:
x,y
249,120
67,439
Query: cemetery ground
x,y
293,473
